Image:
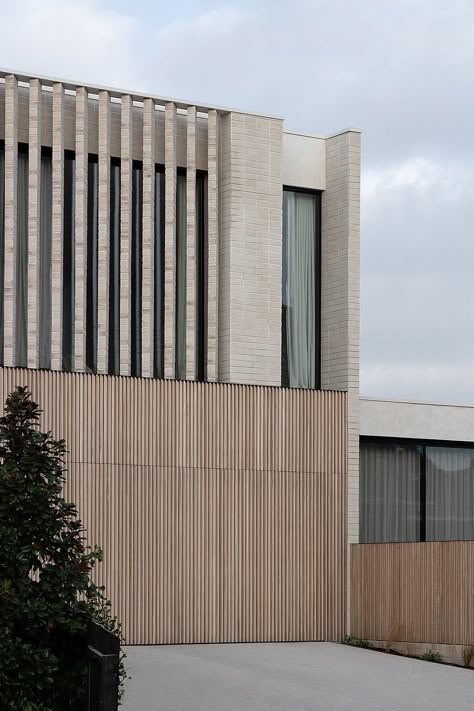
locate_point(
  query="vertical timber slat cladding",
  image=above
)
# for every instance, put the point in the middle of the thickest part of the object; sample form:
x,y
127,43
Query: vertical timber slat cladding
x,y
424,588
219,508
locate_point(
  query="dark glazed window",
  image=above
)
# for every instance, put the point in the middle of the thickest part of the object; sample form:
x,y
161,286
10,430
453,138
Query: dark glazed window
x,y
136,270
390,479
92,248
21,286
415,490
201,276
449,494
68,261
114,269
301,273
181,277
159,282
45,255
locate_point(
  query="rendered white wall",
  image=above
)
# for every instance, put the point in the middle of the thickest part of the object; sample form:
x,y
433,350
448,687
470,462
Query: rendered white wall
x,y
416,420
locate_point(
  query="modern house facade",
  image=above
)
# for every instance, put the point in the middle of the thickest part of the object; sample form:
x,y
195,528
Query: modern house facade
x,y
181,293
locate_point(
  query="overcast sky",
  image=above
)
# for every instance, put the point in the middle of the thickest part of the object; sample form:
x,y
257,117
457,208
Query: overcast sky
x,y
401,70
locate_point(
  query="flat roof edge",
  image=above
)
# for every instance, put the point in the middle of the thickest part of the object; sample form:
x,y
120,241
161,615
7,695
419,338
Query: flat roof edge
x,y
136,95
400,401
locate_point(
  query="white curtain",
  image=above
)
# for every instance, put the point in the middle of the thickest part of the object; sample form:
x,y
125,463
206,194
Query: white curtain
x,y
299,288
21,261
181,278
44,311
389,494
449,494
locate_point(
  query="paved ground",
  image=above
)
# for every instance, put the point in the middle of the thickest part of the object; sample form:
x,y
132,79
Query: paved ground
x,y
290,677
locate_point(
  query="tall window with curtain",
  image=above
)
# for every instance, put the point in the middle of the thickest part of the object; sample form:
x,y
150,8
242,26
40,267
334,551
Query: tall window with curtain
x,y
201,276
45,254
159,282
136,269
181,277
92,249
2,241
68,261
114,269
21,296
301,289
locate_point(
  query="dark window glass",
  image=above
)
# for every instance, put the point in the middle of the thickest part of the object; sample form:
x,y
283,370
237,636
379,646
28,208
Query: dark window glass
x,y
159,260
201,276
301,289
92,248
114,269
136,270
45,255
449,494
2,241
68,261
180,316
389,493
21,286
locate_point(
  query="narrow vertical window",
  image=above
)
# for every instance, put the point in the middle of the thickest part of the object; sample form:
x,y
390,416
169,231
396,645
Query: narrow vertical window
x,y
21,295
136,270
68,261
92,246
114,269
44,305
201,276
301,290
159,282
181,277
2,241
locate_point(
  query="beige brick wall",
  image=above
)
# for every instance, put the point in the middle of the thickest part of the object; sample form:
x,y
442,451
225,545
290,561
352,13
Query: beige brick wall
x,y
250,184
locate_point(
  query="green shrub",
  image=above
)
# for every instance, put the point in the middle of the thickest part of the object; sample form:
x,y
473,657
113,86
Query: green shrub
x,y
47,598
356,642
431,656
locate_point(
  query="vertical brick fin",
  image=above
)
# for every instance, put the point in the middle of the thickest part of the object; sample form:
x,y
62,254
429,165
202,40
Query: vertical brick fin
x,y
103,252
191,246
125,230
170,238
340,232
82,168
34,202
212,244
148,275
11,173
58,227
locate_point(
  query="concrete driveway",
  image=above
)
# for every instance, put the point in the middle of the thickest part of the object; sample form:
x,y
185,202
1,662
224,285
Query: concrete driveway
x,y
290,677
